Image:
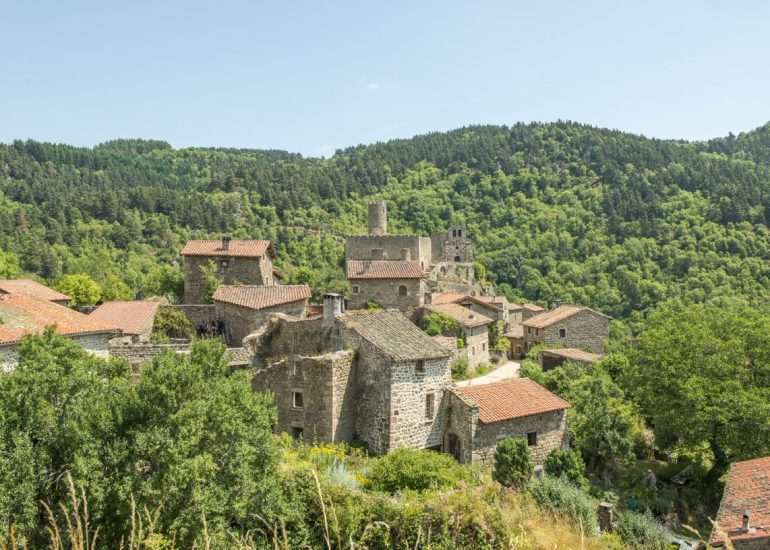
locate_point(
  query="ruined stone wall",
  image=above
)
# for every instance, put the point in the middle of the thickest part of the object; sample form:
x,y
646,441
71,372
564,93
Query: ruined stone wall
x,y
360,247
373,403
761,543
9,358
238,322
95,344
239,270
584,330
477,344
306,337
203,317
386,293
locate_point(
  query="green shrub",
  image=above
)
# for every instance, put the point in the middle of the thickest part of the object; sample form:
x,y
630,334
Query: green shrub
x,y
513,464
438,324
562,498
530,369
642,531
170,323
460,369
568,465
83,290
407,469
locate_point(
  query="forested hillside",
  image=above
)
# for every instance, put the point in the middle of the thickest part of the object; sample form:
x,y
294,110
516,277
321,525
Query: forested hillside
x,y
562,210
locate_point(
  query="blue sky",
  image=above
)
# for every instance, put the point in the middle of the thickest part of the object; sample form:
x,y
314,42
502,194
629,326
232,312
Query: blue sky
x,y
314,76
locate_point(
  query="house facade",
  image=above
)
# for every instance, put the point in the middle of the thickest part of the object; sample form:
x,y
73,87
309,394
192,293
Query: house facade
x,y
567,326
474,329
391,284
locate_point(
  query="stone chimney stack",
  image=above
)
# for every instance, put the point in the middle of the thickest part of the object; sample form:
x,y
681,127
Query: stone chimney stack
x,y
378,218
745,524
557,303
378,254
406,254
332,308
605,516
226,243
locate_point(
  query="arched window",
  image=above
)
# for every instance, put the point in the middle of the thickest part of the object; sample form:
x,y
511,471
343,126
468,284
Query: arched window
x,y
458,259
402,290
459,232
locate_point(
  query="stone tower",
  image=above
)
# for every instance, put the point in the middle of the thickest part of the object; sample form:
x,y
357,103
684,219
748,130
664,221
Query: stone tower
x,y
378,218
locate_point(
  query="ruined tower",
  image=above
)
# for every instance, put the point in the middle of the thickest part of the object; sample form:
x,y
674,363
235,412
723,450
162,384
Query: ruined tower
x,y
378,218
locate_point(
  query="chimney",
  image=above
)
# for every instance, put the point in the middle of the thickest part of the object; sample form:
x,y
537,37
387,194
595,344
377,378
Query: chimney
x,y
406,254
378,254
557,303
378,218
226,243
332,307
605,516
745,525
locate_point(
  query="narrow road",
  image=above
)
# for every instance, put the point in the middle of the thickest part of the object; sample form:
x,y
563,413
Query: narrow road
x,y
509,369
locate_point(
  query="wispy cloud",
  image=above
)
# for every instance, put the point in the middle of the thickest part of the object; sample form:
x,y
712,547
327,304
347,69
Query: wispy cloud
x,y
371,86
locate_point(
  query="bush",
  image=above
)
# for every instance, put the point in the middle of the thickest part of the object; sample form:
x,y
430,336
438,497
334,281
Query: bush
x,y
568,465
530,369
460,369
438,324
83,290
562,498
513,464
407,469
170,323
642,531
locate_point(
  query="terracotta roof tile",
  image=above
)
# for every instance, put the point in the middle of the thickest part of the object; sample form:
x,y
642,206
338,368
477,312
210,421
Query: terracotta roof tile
x,y
573,354
461,314
515,398
516,331
383,269
446,298
533,307
395,335
28,287
260,297
449,342
747,488
21,315
132,317
243,249
555,315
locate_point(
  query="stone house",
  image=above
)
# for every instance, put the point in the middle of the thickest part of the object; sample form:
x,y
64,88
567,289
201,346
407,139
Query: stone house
x,y
744,513
235,262
494,307
135,319
480,416
243,309
552,358
452,245
22,315
530,310
474,329
518,347
515,314
392,284
568,326
368,375
28,287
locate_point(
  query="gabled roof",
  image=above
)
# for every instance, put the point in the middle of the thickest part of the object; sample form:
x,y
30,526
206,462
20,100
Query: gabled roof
x,y
516,331
532,307
28,287
548,318
383,269
241,249
132,317
573,354
495,303
484,301
446,298
22,315
515,398
394,334
747,488
462,315
260,297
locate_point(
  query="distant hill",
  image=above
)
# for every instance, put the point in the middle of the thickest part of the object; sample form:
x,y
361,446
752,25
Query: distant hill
x,y
561,210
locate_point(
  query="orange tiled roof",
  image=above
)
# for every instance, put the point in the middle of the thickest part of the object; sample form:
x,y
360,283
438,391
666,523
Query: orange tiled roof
x,y
28,287
383,269
484,301
260,297
515,398
516,331
446,298
573,354
462,315
132,317
242,249
747,488
546,319
21,315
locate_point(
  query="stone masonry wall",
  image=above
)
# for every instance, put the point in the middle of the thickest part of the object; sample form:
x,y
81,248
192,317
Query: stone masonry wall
x,y
477,344
203,317
238,322
247,271
585,330
95,344
360,247
9,358
385,293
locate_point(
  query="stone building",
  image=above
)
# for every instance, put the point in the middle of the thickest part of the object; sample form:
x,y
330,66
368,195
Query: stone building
x,y
135,319
474,329
515,314
243,309
552,358
234,262
494,307
515,336
568,326
530,310
23,315
744,513
28,287
395,284
452,245
479,416
368,375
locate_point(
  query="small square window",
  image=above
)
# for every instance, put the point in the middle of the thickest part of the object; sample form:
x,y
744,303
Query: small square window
x,y
297,432
430,400
483,347
296,369
356,289
223,264
402,290
420,367
532,439
297,400
562,333
529,330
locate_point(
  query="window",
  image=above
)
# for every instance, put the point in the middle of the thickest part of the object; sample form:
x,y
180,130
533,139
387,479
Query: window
x,y
356,289
296,432
420,368
298,400
402,290
562,333
459,232
483,347
429,402
454,232
223,264
458,259
532,439
529,330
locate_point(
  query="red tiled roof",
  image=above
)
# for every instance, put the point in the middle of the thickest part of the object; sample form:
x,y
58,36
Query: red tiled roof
x,y
132,317
516,331
243,249
573,354
21,315
515,398
555,315
533,307
462,315
484,301
260,297
28,287
446,298
383,269
747,488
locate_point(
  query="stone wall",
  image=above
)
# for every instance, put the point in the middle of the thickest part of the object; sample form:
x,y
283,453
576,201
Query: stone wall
x,y
9,358
760,543
585,330
360,247
477,344
97,345
140,354
203,318
239,270
386,293
238,322
452,246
